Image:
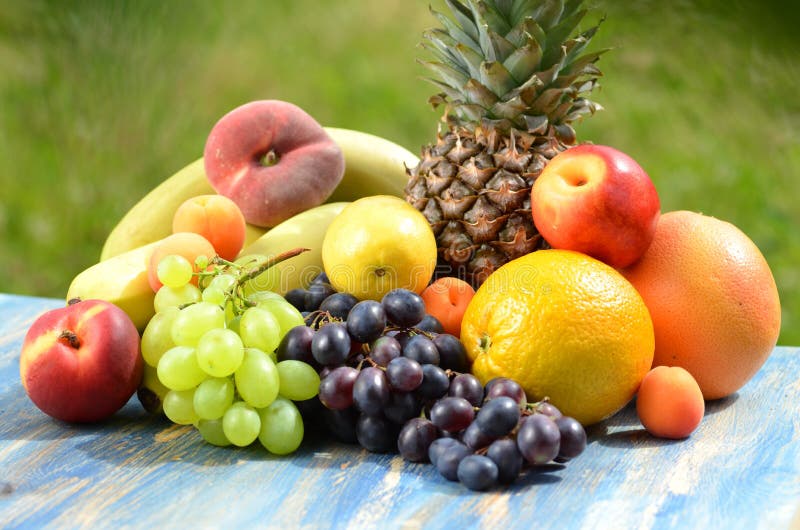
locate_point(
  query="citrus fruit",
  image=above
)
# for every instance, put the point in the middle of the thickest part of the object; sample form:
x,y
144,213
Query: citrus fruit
x,y
713,300
377,244
564,326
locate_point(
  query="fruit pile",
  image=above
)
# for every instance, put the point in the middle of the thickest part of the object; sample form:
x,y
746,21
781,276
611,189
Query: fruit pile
x,y
475,307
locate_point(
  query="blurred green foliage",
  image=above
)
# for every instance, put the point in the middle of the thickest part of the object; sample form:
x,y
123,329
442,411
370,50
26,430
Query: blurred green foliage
x,y
100,101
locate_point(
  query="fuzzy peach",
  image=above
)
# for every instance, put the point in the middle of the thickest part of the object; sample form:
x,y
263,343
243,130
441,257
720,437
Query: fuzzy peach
x,y
216,218
186,244
669,402
273,160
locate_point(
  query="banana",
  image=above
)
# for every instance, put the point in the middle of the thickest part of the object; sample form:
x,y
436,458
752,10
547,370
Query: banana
x,y
373,166
306,229
121,280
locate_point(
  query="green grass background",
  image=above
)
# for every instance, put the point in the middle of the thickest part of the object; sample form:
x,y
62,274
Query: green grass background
x,y
100,101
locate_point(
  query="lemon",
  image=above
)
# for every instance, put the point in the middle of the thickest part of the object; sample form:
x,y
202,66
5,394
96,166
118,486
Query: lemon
x,y
377,244
564,326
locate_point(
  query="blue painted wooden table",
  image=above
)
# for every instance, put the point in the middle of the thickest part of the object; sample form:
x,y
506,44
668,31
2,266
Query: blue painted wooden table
x,y
740,469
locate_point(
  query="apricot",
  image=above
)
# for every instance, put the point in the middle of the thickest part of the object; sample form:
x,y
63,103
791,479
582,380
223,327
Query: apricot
x,y
186,244
447,299
216,218
670,403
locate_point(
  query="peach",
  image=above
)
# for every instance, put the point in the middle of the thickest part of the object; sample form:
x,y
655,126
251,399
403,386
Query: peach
x,y
273,160
669,402
596,200
216,218
447,299
186,244
81,363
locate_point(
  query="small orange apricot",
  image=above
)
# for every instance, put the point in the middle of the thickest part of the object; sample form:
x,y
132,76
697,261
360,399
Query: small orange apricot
x,y
670,403
216,218
447,299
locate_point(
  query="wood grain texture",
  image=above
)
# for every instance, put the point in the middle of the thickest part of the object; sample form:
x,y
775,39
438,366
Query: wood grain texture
x,y
740,469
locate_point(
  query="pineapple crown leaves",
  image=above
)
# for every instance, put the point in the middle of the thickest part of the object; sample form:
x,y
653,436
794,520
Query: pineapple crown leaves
x,y
514,64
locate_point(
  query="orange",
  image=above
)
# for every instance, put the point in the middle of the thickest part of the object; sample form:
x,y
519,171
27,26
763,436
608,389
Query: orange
x,y
564,326
713,300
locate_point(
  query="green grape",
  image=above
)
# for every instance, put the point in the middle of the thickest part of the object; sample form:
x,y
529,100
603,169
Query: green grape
x,y
241,424
299,380
194,321
211,431
285,313
212,398
174,271
219,352
214,295
157,337
261,296
233,323
223,282
257,379
171,297
269,280
178,369
179,408
281,427
259,329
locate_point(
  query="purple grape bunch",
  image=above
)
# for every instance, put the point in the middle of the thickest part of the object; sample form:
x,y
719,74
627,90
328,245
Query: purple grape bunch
x,y
392,381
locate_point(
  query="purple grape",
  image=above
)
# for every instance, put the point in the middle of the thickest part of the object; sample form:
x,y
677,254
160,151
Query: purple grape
x,y
376,434
452,354
401,336
435,382
548,409
573,438
538,439
338,305
384,349
430,324
498,416
421,349
404,308
366,321
371,391
468,387
296,346
315,294
477,472
402,406
404,374
452,414
321,278
415,438
503,386
336,389
296,297
331,344
475,438
438,446
342,424
505,454
449,458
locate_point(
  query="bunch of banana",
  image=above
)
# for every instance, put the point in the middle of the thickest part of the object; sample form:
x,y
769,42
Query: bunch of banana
x,y
373,166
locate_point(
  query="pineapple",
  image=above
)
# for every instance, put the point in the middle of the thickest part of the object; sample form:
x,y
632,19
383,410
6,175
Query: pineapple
x,y
513,75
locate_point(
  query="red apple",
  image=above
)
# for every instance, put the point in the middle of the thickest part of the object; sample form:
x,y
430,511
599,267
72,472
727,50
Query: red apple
x,y
81,363
596,200
273,160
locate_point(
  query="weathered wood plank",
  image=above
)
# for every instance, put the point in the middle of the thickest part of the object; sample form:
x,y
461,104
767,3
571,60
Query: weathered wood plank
x,y
741,469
